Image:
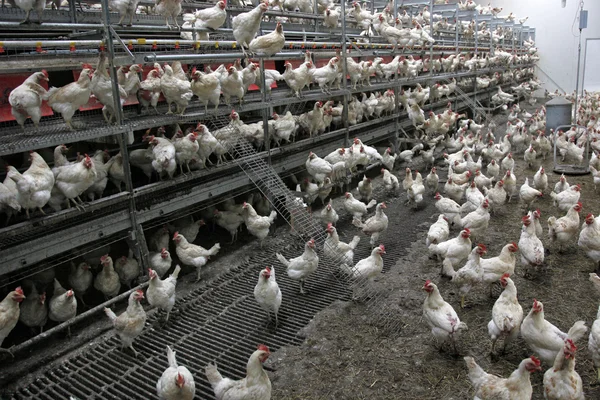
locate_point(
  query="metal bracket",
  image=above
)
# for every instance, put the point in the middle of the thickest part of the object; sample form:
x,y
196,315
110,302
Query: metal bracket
x,y
118,38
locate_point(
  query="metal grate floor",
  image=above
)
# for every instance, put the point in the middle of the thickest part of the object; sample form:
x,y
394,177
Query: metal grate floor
x,y
220,322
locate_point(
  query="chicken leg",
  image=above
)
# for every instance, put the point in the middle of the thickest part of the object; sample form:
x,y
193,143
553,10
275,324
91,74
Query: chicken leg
x,y
25,21
302,286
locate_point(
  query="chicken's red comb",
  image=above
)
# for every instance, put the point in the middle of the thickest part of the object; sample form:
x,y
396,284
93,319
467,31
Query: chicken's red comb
x,y
45,73
506,275
140,292
536,361
382,247
104,258
19,291
482,246
175,234
262,347
427,282
88,66
268,269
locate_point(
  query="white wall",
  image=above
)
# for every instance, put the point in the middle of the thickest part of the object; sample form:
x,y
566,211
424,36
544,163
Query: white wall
x,y
556,42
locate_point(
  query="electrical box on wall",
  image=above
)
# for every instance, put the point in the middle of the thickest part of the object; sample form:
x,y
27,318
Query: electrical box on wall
x,y
583,19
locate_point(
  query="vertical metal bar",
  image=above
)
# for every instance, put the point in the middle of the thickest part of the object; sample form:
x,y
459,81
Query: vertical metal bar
x,y
265,113
456,30
584,62
122,137
316,12
73,12
431,34
345,72
577,80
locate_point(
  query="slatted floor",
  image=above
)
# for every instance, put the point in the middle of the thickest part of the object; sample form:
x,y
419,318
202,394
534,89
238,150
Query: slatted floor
x,y
219,323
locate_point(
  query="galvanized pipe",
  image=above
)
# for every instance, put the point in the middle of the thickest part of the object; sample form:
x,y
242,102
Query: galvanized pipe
x,y
222,56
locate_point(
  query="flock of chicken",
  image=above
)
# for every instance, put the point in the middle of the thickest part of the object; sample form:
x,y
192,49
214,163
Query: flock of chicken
x,y
178,88
482,197
62,186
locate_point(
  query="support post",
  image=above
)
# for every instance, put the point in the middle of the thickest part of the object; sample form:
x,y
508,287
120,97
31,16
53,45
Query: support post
x,y
124,136
265,112
345,74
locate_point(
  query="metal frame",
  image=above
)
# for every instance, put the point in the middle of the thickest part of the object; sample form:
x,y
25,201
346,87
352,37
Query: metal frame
x,y
127,222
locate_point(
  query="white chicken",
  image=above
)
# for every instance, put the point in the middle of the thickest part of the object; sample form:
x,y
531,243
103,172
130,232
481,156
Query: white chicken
x,y
564,229
163,154
193,255
367,268
589,239
270,43
516,387
170,9
267,293
438,231
175,90
375,225
176,382
531,247
456,250
257,225
356,207
566,198
301,267
67,99
390,181
161,292
440,316
256,385
34,185
246,25
26,99
561,381
336,250
448,207
507,314
469,275
545,339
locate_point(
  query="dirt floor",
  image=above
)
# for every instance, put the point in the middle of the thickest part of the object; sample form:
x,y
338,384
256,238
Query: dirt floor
x,y
352,353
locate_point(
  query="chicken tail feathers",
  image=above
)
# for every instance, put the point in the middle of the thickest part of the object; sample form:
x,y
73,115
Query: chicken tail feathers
x,y
110,314
372,203
282,259
577,331
176,271
171,357
358,223
50,92
215,249
213,375
354,242
272,216
447,268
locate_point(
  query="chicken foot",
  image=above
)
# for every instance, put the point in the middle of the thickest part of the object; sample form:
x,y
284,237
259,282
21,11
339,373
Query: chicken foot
x,y
302,286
